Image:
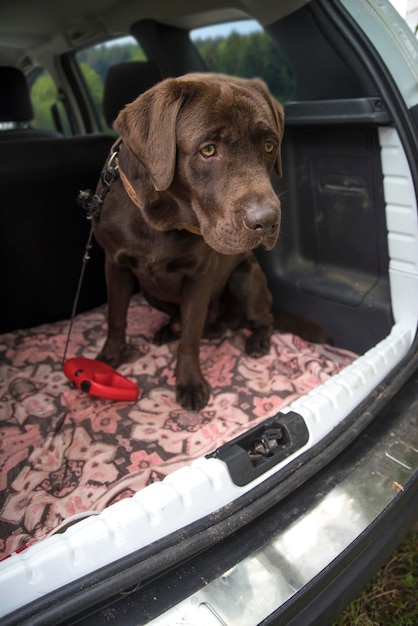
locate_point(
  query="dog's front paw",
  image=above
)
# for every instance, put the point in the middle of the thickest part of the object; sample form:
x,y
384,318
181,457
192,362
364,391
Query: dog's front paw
x,y
116,355
258,343
192,390
193,396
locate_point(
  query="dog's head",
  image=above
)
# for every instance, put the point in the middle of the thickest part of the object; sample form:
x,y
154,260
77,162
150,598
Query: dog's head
x,y
211,141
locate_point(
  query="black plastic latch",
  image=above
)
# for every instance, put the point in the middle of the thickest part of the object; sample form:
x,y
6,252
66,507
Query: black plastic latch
x,y
261,448
85,385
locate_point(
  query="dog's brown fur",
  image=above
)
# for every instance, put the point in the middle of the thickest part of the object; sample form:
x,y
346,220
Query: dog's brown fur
x,y
198,152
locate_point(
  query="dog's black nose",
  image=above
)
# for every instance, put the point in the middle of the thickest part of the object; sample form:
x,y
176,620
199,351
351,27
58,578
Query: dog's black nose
x,y
263,219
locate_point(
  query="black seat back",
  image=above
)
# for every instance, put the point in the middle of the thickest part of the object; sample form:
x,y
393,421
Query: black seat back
x,y
16,111
43,232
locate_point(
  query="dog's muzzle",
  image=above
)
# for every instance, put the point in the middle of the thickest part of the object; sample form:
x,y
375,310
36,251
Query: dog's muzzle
x,y
264,223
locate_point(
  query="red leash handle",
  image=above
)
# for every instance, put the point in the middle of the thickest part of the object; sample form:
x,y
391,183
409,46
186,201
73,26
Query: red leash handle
x,y
100,380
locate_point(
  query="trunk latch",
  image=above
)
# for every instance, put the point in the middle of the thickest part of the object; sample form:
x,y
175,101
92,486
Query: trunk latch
x,y
250,455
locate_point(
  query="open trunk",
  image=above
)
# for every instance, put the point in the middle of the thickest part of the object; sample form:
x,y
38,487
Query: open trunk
x,y
347,257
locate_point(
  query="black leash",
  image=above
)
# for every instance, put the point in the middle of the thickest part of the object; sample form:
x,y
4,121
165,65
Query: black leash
x,y
86,259
92,203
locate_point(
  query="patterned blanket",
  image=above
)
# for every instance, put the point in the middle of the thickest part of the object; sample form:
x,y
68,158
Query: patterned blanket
x,y
63,451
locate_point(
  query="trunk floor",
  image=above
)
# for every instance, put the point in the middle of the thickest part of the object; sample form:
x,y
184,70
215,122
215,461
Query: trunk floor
x,y
63,451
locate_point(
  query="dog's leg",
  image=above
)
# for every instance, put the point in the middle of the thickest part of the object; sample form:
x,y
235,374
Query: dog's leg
x,y
120,285
192,390
306,328
248,285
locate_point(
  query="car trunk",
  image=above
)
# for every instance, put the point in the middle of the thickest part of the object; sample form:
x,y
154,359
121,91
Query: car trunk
x,y
150,475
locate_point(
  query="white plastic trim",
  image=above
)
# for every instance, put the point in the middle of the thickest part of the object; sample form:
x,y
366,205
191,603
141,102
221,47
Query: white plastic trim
x,y
402,225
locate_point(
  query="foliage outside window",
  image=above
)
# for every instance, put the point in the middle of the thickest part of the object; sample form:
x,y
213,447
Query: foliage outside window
x,y
240,49
44,97
94,63
250,53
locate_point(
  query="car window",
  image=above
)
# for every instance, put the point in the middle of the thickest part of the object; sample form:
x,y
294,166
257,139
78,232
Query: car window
x,y
49,112
95,61
244,49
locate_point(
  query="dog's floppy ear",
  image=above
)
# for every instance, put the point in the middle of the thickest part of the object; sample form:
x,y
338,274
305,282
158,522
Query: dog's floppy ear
x,y
278,114
148,127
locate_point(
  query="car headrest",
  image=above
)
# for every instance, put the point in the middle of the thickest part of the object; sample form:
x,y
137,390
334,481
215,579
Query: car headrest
x,y
125,82
15,104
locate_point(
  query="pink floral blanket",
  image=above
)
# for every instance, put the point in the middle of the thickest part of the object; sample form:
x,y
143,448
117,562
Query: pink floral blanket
x,y
63,451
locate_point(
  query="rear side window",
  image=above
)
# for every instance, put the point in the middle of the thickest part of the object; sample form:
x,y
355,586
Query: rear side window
x,y
94,63
244,49
49,112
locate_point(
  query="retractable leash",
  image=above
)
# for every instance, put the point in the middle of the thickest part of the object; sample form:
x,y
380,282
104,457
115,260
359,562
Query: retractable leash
x,y
94,377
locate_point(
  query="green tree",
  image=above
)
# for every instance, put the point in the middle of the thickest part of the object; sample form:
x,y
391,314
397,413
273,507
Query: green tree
x,y
249,56
95,85
43,96
101,57
95,62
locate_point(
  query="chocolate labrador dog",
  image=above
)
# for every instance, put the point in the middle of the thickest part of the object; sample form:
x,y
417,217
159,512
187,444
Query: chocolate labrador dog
x,y
192,198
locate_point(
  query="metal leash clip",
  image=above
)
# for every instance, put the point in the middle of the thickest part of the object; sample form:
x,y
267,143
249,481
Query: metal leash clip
x,y
92,202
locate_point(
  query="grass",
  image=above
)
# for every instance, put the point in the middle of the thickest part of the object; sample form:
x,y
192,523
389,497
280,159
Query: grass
x,y
391,598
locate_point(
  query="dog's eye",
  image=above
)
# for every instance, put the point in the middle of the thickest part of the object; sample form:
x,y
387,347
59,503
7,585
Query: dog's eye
x,y
269,146
208,151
